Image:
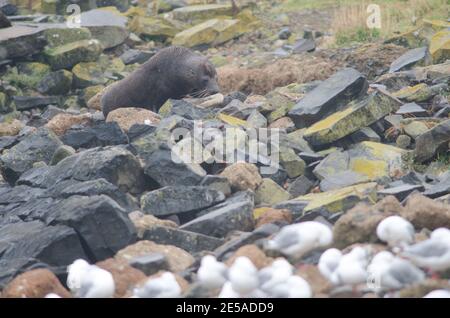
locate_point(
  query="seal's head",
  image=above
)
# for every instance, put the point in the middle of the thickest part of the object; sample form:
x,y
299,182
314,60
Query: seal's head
x,y
195,77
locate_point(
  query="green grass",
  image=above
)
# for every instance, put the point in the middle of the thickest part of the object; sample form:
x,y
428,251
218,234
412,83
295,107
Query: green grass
x,y
360,35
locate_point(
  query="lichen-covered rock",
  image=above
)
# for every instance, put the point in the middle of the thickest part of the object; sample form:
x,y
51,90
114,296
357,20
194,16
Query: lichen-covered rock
x,y
202,12
269,192
211,32
329,97
68,55
356,116
11,129
440,46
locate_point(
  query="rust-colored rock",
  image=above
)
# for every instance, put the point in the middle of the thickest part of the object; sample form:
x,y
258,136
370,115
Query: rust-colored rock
x,y
63,122
274,215
242,176
127,117
125,277
36,283
177,258
424,212
144,222
318,283
254,253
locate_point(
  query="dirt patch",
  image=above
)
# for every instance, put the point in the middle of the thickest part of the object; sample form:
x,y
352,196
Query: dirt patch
x,y
299,69
372,59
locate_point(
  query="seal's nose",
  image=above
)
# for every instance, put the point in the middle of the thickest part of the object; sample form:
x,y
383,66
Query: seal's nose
x,y
213,88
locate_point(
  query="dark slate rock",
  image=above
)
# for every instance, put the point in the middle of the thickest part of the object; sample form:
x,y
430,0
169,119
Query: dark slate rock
x,y
401,191
55,83
245,238
103,134
113,163
34,177
310,157
443,112
189,111
342,179
8,8
189,241
38,146
234,95
284,33
4,21
61,153
101,223
439,189
25,243
365,134
150,264
296,207
218,183
219,222
238,197
18,194
328,97
429,142
7,142
136,56
28,102
410,58
238,109
51,111
138,130
413,109
71,187
280,176
304,45
177,199
300,186
413,178
161,167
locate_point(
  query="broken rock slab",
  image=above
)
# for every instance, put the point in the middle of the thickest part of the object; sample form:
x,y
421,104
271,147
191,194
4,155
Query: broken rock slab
x,y
328,97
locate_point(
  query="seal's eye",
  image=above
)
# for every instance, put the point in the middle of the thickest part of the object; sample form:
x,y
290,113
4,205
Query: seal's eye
x,y
205,81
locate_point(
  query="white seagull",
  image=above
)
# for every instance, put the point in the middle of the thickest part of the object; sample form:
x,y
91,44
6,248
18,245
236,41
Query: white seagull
x,y
352,268
438,293
277,273
329,261
212,274
89,281
433,253
243,276
396,231
293,287
389,272
164,286
299,239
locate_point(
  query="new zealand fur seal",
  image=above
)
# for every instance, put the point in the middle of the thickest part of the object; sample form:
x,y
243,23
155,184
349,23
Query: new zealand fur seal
x,y
173,72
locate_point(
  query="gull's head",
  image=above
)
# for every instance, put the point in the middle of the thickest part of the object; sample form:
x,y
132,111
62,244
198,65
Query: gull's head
x,y
441,233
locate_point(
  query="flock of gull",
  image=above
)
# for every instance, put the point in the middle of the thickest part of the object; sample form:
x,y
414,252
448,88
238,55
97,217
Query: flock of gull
x,y
404,263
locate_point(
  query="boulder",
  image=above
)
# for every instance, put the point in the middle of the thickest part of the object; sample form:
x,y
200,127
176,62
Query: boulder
x,y
101,134
38,146
68,55
242,176
356,116
410,58
330,96
177,258
36,283
56,83
176,199
429,142
221,220
127,117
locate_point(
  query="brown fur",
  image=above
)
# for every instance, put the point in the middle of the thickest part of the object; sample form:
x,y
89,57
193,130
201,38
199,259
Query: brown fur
x,y
173,72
